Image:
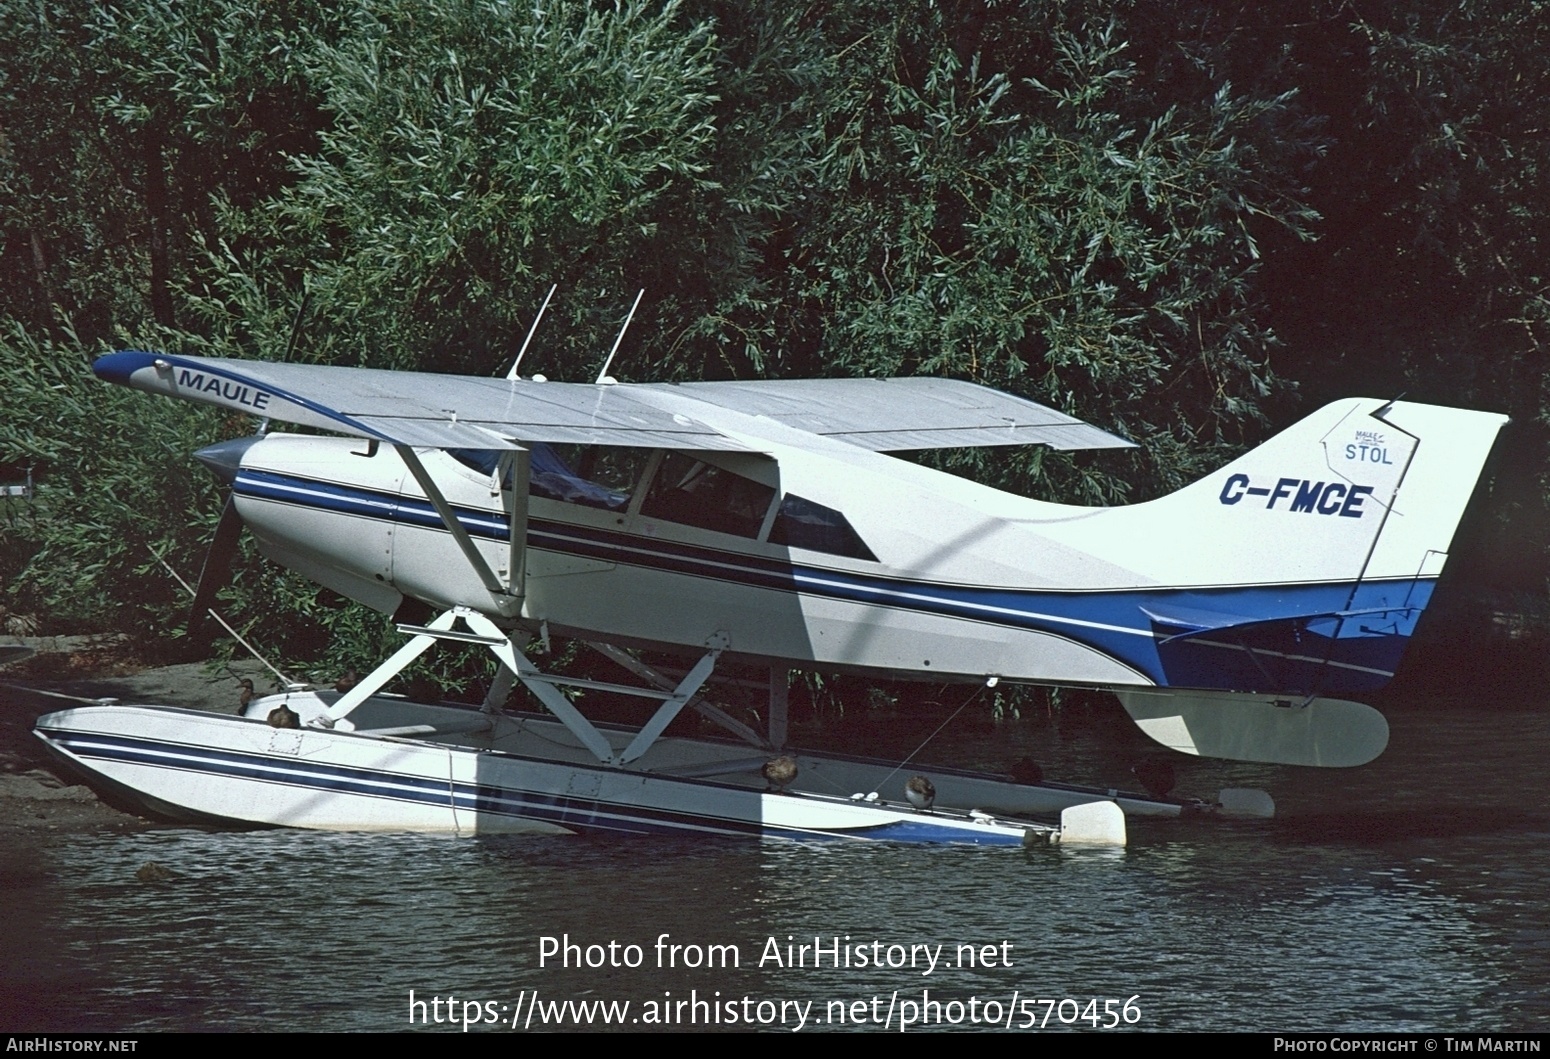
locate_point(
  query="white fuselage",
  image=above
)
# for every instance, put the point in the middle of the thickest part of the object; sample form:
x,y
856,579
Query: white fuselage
x,y
361,526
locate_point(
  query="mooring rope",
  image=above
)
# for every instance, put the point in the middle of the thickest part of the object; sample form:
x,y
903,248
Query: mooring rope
x,y
951,717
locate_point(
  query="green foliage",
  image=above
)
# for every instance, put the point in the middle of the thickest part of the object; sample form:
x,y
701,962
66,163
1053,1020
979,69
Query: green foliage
x,y
1464,89
1042,215
113,491
475,153
1433,270
67,236
117,123
1101,206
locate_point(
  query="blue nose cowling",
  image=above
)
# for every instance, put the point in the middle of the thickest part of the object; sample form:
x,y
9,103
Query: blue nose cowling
x,y
224,458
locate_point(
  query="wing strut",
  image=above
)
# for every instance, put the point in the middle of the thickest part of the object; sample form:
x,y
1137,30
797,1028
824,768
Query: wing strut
x,y
522,460
521,463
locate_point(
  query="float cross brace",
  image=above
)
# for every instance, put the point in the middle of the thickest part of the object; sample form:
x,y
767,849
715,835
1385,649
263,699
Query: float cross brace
x,y
670,707
542,685
705,709
516,666
373,682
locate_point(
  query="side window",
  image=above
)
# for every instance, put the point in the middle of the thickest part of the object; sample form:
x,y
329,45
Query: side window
x,y
804,524
601,476
699,494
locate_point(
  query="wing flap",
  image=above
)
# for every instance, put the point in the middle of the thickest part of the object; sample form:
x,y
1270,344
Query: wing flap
x,y
892,415
1074,435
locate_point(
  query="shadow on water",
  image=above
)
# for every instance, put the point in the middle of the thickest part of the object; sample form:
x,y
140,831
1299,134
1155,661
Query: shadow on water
x,y
1377,827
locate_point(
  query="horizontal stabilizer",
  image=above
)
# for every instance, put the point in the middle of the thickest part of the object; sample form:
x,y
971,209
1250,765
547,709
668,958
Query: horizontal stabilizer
x,y
1329,733
1286,654
1185,621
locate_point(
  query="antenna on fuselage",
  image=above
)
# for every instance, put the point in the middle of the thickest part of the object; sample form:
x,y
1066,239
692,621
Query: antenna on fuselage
x,y
512,374
603,378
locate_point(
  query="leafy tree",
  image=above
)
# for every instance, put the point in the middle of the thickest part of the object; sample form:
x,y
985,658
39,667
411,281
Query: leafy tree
x,y
69,241
114,492
1001,193
117,123
476,153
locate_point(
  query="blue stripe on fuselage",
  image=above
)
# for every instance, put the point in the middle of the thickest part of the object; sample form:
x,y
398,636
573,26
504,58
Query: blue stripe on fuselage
x,y
1328,656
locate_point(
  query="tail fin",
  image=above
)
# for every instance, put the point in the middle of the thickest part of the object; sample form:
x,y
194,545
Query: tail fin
x,y
1302,567
1359,490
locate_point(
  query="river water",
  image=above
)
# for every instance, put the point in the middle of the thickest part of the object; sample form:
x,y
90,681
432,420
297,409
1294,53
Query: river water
x,y
1406,895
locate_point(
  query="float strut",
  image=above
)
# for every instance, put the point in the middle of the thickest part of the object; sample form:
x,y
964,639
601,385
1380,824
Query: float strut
x,y
669,709
372,682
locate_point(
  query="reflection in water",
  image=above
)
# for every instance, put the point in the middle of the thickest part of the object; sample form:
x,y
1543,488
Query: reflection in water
x,y
1391,898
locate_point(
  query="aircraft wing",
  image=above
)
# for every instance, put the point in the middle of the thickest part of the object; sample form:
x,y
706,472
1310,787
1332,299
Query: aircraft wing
x,y
456,411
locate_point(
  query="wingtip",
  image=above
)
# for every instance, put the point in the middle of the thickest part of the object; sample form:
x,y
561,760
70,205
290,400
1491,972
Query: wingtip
x,y
119,366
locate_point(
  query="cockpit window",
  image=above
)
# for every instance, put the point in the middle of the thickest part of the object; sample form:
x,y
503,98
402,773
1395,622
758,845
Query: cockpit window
x,y
693,493
683,490
804,524
482,460
601,476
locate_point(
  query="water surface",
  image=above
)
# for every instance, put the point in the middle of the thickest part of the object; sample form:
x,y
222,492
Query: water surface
x,y
1406,895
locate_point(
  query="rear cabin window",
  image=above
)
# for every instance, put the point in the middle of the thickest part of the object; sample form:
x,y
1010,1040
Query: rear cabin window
x,y
693,493
804,524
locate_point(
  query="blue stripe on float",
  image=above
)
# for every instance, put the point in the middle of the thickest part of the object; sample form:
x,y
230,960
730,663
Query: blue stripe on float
x,y
573,813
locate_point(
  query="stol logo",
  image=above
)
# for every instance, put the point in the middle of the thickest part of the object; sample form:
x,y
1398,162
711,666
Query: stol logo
x,y
1369,447
1323,498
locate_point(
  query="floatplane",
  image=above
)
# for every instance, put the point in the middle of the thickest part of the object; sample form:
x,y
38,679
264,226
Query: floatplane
x,y
765,522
